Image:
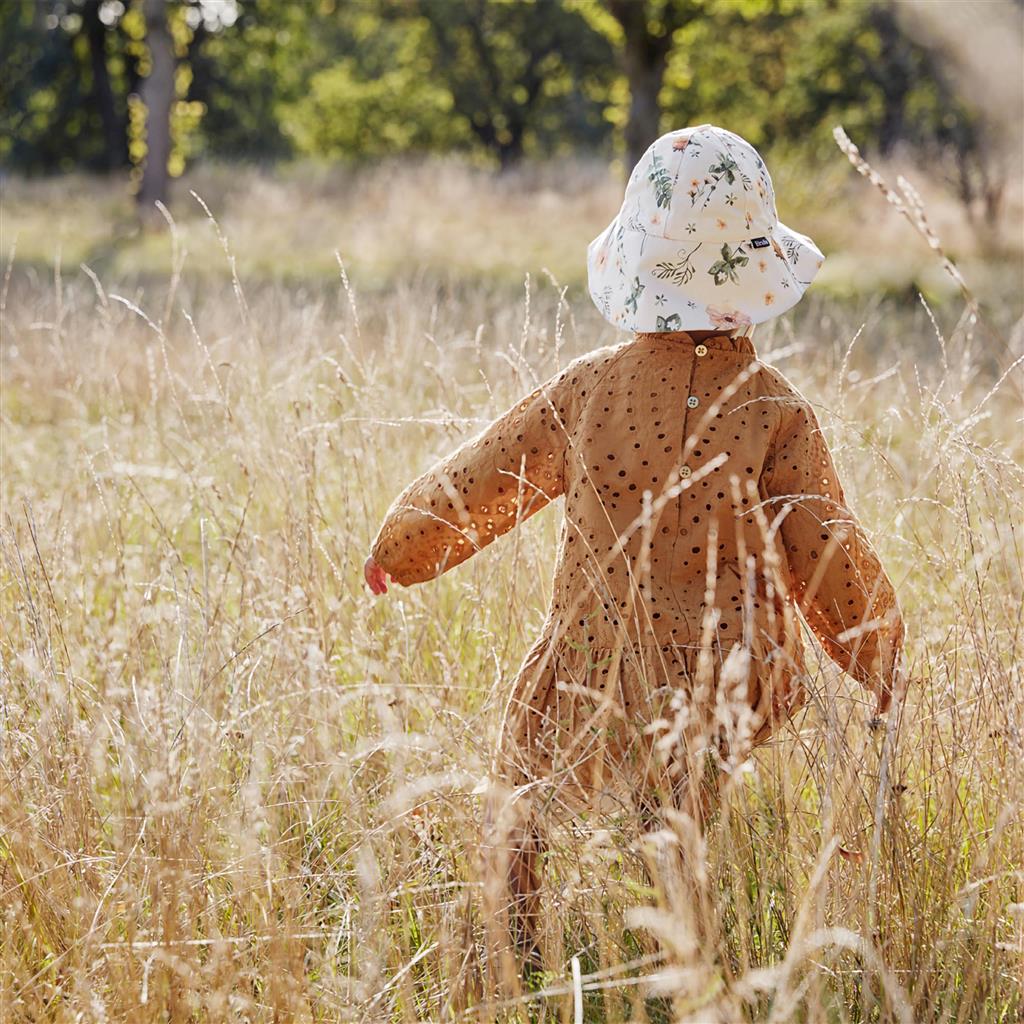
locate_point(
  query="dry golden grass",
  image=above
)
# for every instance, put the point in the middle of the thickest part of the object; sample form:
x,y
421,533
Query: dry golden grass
x,y
452,221
235,787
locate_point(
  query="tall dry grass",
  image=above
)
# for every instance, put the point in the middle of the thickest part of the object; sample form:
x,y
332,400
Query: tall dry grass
x,y
447,220
235,787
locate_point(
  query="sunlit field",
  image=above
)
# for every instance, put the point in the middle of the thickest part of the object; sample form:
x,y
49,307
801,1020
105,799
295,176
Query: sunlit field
x,y
236,787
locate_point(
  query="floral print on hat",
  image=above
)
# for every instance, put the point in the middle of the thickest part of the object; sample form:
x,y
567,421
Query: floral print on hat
x,y
726,319
698,243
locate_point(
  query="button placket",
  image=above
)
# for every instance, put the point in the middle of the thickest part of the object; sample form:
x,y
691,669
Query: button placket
x,y
692,402
685,472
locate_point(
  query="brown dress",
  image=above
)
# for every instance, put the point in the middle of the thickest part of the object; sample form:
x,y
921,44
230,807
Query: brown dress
x,y
702,508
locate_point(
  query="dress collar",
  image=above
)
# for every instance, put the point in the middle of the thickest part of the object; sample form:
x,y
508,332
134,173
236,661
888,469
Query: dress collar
x,y
740,345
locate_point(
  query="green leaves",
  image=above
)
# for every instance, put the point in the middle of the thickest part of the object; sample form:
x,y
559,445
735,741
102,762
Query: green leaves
x,y
534,77
658,175
678,271
345,115
725,168
725,268
634,295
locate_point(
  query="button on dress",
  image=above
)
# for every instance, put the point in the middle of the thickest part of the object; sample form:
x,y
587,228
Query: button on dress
x,y
703,516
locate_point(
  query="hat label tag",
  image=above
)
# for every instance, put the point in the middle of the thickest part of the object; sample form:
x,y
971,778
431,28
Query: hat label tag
x,y
760,243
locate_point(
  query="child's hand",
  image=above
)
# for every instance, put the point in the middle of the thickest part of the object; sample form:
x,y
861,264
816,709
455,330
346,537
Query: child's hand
x,y
376,578
884,702
886,694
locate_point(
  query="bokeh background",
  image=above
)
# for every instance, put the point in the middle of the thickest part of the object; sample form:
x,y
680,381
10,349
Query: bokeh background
x,y
490,139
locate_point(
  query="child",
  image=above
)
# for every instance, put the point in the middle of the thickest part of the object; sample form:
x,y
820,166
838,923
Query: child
x,y
702,508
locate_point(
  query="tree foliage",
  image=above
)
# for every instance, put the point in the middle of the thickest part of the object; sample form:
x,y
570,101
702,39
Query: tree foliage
x,y
266,79
780,71
521,75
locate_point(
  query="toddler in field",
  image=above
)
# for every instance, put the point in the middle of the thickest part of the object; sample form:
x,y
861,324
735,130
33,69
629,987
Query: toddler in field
x,y
703,514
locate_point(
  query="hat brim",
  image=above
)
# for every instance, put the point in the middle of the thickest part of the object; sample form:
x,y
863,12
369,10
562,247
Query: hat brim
x,y
641,282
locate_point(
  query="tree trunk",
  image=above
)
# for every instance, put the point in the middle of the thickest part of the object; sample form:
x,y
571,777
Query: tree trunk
x,y
644,122
157,93
114,149
894,73
510,153
644,60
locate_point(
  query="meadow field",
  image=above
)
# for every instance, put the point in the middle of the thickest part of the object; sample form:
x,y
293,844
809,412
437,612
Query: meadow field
x,y
236,787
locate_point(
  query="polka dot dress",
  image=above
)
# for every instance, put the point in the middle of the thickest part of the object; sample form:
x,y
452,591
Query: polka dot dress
x,y
702,512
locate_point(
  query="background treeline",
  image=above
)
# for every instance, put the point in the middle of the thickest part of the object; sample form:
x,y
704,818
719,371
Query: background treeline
x,y
495,79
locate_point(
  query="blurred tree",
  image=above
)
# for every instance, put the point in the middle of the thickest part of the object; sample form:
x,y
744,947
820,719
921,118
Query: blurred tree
x,y
56,110
648,29
248,74
376,93
782,72
498,78
265,79
157,95
102,90
506,65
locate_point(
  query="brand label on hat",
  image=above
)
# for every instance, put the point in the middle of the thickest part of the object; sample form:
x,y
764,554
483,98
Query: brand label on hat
x,y
760,243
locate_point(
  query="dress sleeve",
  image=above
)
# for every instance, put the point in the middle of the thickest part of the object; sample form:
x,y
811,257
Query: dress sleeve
x,y
486,487
838,581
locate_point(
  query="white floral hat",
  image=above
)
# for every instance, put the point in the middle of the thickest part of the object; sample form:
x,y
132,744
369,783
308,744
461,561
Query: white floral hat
x,y
698,243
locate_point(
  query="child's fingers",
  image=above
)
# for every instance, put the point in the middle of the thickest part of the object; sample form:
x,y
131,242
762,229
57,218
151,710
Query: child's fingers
x,y
900,685
376,578
897,689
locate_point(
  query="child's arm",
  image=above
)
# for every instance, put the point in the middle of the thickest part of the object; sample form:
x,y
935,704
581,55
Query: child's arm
x,y
839,583
485,488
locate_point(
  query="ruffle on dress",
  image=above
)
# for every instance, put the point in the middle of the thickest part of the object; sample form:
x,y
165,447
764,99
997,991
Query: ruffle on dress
x,y
615,727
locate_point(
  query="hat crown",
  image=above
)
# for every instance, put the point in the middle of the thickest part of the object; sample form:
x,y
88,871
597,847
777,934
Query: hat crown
x,y
697,243
703,184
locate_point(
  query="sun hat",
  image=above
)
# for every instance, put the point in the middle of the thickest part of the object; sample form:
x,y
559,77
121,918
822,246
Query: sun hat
x,y
698,243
